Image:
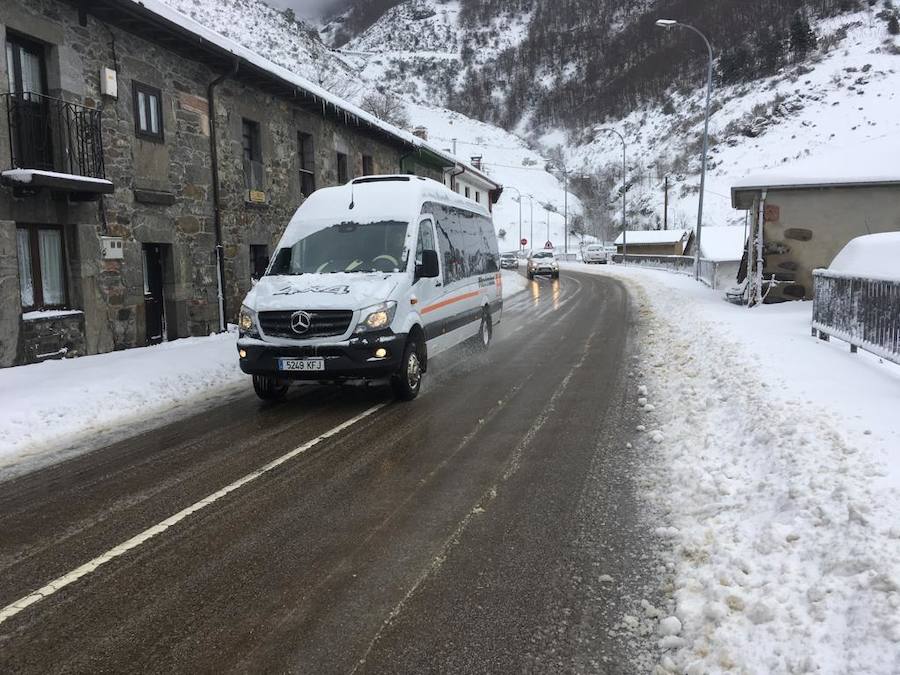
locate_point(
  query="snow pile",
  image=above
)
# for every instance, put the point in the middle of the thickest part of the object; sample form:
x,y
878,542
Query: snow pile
x,y
723,244
66,402
779,485
872,256
653,236
513,283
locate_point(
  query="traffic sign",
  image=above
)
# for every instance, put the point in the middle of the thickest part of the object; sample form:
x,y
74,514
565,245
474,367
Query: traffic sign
x,y
523,242
549,244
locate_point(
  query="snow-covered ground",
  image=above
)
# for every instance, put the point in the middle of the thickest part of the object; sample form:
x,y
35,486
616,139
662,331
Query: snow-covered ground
x,y
54,409
776,485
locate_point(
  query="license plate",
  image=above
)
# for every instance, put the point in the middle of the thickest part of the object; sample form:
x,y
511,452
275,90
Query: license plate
x,y
302,365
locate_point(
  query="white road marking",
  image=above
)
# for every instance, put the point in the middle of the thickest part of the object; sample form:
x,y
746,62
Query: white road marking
x,y
15,607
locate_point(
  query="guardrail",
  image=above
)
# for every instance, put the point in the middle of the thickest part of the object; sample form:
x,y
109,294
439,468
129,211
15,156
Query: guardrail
x,y
863,312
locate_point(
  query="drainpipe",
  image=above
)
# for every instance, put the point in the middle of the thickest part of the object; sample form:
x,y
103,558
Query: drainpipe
x,y
462,170
761,219
217,205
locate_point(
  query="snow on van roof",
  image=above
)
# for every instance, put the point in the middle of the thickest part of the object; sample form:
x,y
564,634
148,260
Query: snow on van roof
x,y
163,11
376,198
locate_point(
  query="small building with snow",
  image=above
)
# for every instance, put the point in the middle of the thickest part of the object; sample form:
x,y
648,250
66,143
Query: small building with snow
x,y
653,242
809,210
722,248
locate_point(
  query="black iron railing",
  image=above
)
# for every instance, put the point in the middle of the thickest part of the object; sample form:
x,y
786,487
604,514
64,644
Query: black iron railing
x,y
863,312
50,134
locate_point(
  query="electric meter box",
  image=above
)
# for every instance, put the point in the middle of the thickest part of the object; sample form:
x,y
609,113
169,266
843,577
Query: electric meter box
x,y
113,248
109,83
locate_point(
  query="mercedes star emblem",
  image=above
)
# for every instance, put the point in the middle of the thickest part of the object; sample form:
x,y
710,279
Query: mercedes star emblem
x,y
300,321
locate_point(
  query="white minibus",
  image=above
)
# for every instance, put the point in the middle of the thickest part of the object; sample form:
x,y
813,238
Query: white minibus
x,y
368,281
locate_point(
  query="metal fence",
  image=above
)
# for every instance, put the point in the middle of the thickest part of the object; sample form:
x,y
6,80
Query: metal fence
x,y
672,263
50,134
863,312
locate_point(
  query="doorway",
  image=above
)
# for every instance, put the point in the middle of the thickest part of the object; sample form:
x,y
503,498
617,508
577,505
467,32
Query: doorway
x,y
154,302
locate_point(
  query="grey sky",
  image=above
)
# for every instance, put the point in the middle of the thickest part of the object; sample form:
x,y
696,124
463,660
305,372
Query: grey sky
x,y
305,8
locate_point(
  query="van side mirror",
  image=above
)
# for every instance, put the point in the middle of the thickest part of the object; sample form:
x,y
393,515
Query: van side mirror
x,y
428,268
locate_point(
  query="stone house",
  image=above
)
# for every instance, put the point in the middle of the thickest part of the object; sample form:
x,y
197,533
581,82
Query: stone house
x,y
148,167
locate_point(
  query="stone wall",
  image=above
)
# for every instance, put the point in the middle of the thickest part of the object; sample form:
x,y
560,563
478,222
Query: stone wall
x,y
53,337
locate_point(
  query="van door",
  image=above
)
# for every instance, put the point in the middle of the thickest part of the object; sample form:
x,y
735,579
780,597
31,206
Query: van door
x,y
428,292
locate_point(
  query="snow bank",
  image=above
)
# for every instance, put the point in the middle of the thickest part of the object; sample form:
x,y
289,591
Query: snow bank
x,y
777,481
873,256
60,404
653,236
513,283
722,244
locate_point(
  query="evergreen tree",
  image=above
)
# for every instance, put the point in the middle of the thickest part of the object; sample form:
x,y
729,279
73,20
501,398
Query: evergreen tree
x,y
803,38
894,25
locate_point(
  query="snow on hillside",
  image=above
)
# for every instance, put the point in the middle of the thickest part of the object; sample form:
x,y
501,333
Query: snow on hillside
x,y
508,160
420,48
843,101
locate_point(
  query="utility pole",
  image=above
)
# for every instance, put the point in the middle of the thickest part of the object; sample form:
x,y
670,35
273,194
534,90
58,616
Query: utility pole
x,y
666,205
566,215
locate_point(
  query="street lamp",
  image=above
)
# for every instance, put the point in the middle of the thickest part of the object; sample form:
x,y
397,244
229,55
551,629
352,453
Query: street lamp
x,y
520,213
624,186
671,23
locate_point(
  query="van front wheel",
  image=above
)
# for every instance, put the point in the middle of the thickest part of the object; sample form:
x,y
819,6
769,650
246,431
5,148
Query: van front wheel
x,y
268,388
407,381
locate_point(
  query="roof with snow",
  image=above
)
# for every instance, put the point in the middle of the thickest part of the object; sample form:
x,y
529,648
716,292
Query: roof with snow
x,y
865,165
160,23
653,236
722,243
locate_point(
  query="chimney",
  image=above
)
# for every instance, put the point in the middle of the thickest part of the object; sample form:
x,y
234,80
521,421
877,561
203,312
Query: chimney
x,y
421,132
476,162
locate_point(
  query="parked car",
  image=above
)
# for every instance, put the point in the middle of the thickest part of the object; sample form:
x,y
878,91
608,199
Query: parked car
x,y
543,262
369,280
509,261
597,253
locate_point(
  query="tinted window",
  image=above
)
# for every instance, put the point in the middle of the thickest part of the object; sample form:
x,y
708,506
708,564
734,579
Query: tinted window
x,y
466,242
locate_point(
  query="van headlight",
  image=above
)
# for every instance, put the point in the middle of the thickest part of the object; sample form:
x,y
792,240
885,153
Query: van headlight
x,y
247,324
377,317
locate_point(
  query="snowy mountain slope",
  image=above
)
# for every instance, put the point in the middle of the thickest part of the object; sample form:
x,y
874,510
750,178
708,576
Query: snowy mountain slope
x,y
842,103
508,160
289,44
423,48
285,40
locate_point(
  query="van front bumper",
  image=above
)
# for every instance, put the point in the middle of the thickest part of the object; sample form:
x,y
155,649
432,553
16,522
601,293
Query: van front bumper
x,y
350,360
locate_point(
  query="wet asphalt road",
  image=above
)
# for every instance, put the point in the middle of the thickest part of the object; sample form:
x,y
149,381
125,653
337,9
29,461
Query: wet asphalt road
x,y
467,531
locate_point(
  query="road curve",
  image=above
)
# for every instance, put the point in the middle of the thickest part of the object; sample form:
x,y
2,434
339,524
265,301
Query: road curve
x,y
474,529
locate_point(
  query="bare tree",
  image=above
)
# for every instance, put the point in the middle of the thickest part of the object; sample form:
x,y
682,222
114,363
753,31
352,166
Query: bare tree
x,y
386,106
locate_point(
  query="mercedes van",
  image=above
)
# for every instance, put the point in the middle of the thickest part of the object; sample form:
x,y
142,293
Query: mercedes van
x,y
368,281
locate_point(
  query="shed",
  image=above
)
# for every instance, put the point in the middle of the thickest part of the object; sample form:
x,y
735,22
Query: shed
x,y
810,209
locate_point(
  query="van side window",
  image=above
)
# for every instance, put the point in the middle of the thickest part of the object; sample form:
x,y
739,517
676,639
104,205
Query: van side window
x,y
425,241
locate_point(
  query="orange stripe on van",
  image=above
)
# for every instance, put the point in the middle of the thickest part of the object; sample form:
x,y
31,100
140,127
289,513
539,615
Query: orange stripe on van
x,y
450,301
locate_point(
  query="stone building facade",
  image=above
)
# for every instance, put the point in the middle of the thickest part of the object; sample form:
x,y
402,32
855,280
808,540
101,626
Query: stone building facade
x,y
120,245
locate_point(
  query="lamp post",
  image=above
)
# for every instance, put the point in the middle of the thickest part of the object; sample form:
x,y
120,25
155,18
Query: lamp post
x,y
671,23
520,213
531,217
624,185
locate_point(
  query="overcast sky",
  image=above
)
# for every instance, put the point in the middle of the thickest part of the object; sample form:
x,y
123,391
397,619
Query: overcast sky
x,y
305,8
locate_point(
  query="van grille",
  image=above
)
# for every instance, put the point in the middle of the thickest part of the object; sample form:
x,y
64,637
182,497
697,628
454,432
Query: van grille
x,y
323,323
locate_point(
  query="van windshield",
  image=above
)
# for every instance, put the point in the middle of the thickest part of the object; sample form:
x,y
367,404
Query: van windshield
x,y
345,247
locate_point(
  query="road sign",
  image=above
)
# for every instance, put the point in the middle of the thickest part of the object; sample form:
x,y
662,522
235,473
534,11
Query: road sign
x,y
549,244
523,242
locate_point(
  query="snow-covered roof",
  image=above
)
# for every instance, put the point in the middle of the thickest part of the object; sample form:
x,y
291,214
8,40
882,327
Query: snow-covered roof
x,y
867,164
722,243
871,256
178,20
654,236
